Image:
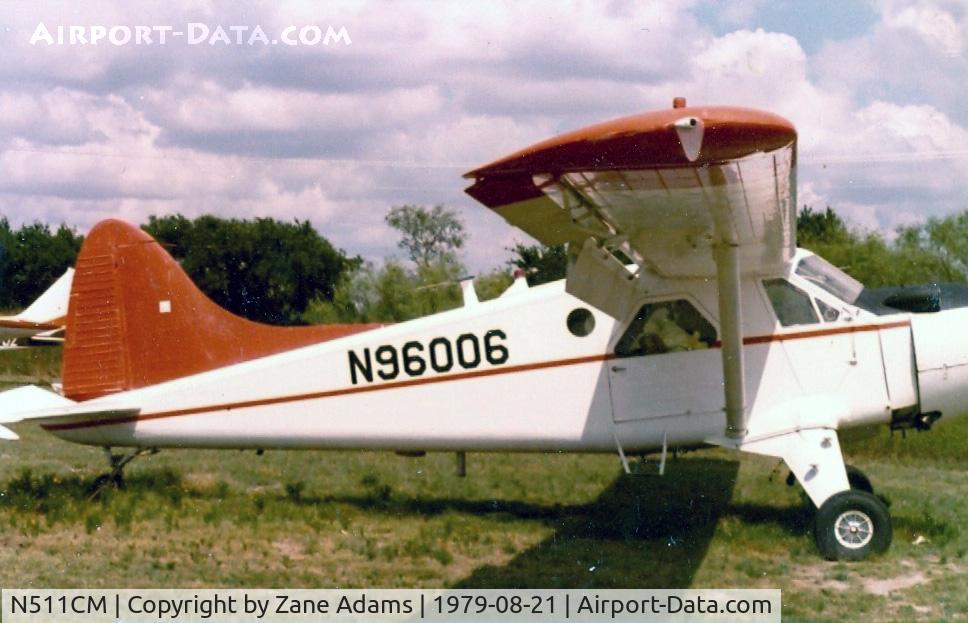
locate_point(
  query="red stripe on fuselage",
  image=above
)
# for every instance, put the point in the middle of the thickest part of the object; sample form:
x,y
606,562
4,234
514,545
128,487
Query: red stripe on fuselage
x,y
760,339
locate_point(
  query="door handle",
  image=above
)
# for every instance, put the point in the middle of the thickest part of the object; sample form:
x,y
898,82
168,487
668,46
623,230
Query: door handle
x,y
618,368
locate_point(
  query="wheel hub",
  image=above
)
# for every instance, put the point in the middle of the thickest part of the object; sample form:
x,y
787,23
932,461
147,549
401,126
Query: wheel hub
x,y
854,529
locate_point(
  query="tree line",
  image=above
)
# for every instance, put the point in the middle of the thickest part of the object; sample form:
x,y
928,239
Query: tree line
x,y
31,259
286,273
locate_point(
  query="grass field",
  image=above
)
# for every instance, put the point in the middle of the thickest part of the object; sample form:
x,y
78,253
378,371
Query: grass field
x,y
325,519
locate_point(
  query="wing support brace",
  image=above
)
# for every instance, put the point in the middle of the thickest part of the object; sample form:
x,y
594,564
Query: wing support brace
x,y
813,455
731,327
726,256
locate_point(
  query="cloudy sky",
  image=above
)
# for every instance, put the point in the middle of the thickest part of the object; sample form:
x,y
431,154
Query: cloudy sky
x,y
338,133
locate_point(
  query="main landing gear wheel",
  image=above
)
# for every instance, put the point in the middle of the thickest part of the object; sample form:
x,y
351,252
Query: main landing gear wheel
x,y
858,480
852,525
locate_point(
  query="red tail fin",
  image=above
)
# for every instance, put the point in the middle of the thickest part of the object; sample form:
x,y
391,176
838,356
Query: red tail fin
x,y
136,319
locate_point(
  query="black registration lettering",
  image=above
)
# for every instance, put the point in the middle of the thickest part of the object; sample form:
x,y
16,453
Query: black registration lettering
x,y
468,351
441,354
386,356
441,362
365,369
495,352
413,363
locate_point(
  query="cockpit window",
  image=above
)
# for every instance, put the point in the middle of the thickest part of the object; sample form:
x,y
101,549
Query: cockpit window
x,y
666,327
819,271
791,304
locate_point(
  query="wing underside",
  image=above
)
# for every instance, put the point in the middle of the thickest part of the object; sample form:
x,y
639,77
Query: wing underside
x,y
705,177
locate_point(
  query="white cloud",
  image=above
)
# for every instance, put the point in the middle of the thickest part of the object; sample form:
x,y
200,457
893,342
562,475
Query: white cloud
x,y
920,128
937,27
211,107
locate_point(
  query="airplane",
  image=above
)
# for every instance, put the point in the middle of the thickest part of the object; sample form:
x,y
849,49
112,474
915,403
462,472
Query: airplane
x,y
688,319
43,320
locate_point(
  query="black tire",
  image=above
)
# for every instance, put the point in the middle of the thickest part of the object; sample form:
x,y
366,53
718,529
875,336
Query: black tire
x,y
852,525
858,480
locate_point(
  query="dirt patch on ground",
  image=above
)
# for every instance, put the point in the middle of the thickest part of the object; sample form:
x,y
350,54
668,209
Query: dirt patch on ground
x,y
290,547
821,576
816,577
885,586
200,481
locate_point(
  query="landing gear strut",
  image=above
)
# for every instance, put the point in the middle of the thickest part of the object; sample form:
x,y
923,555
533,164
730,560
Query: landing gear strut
x,y
117,462
857,479
851,522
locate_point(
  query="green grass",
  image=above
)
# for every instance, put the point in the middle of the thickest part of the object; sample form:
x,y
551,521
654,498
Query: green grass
x,y
945,444
30,365
228,518
324,519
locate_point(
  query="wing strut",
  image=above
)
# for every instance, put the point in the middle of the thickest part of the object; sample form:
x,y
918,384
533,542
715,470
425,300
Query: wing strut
x,y
726,255
731,323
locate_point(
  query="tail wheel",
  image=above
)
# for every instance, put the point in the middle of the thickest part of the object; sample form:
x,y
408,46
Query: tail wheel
x,y
852,525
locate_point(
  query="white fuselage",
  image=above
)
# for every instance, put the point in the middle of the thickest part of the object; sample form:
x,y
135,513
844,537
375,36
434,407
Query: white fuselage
x,y
508,374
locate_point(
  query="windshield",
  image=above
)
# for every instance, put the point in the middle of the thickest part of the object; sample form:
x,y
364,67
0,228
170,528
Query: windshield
x,y
817,270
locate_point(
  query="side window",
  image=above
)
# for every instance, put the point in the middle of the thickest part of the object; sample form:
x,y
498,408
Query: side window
x,y
828,313
792,305
666,327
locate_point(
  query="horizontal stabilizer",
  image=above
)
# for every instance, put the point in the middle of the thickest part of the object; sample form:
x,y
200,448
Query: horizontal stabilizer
x,y
16,403
49,337
49,408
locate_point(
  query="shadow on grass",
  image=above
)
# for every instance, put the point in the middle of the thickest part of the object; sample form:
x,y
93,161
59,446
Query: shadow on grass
x,y
642,531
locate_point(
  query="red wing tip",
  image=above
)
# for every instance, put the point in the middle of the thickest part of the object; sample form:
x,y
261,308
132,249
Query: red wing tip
x,y
769,126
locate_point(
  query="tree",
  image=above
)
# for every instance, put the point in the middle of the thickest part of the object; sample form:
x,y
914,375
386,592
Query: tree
x,y
939,246
263,269
863,256
928,252
393,292
428,235
31,259
493,284
541,264
825,227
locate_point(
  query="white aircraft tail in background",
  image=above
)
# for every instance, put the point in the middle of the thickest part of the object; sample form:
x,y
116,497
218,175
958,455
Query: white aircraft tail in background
x,y
43,321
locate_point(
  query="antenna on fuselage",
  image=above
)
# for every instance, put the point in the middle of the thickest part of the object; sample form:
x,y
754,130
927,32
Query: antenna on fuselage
x,y
468,292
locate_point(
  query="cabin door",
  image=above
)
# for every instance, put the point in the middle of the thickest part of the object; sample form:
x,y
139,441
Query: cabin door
x,y
666,364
